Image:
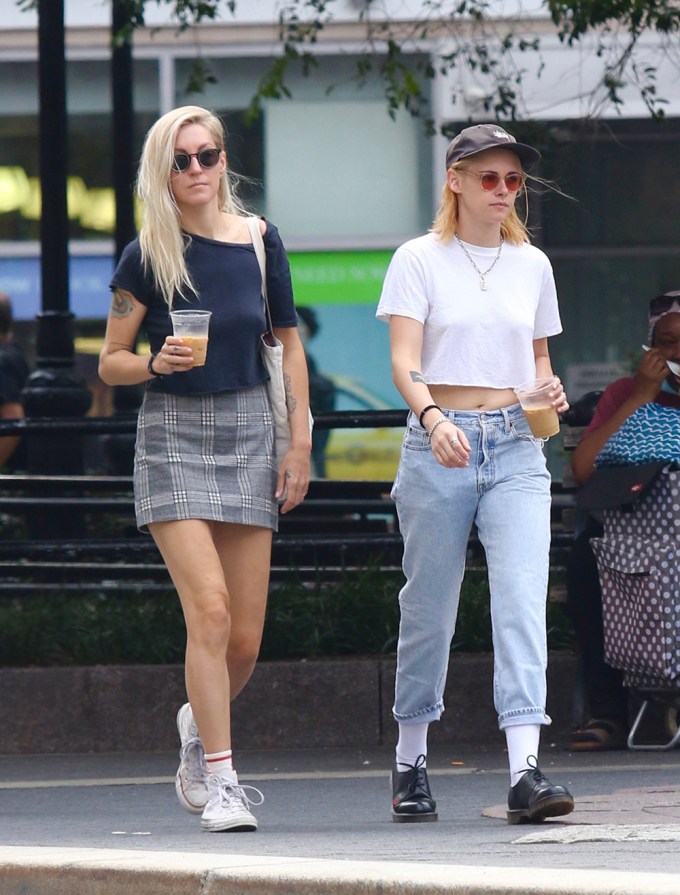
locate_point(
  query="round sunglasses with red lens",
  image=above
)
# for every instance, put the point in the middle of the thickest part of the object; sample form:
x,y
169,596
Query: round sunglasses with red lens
x,y
489,180
206,158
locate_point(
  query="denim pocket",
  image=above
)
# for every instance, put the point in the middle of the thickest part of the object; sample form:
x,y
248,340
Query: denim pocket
x,y
521,432
415,439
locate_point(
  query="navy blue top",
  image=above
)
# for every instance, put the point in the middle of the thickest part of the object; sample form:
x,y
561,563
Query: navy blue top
x,y
227,278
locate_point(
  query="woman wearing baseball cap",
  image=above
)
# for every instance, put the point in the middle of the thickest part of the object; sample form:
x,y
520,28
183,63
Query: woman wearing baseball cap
x,y
471,306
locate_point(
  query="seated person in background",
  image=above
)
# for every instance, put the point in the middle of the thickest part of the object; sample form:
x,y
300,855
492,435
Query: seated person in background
x,y
322,390
14,371
607,697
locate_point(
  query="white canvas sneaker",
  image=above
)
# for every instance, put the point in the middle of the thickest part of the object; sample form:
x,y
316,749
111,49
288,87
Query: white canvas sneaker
x,y
191,780
227,808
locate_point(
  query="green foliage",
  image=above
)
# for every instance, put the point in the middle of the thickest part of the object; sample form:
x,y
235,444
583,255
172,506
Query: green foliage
x,y
356,616
399,53
90,629
185,12
576,18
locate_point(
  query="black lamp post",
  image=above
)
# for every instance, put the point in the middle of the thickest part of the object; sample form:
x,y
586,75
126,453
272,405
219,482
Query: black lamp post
x,y
119,448
123,127
54,390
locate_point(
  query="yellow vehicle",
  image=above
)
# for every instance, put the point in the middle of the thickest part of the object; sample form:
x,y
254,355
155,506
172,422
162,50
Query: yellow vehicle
x,y
370,453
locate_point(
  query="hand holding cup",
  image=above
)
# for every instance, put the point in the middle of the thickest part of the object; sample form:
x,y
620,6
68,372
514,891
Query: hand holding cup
x,y
192,328
539,401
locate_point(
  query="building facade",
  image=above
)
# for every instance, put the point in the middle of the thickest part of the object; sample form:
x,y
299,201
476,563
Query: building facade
x,y
345,183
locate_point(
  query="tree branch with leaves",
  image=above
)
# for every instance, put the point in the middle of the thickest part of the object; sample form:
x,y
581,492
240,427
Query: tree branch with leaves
x,y
446,36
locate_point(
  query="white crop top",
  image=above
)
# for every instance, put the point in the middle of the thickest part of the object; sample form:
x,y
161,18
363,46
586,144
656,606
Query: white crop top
x,y
472,337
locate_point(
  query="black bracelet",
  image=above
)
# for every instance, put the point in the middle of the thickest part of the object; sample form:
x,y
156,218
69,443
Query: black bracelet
x,y
150,368
424,411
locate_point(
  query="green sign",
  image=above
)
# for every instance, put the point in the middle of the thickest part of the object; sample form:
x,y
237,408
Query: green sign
x,y
347,278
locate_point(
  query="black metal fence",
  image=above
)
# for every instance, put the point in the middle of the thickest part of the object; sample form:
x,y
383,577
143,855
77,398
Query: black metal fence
x,y
66,531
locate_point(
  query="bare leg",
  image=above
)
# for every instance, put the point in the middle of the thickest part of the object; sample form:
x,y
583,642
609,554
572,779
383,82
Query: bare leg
x,y
221,573
245,552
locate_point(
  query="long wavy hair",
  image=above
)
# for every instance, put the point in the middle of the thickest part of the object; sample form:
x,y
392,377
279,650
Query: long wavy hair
x,y
162,242
513,230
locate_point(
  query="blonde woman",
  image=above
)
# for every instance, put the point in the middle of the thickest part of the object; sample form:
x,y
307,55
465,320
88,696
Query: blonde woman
x,y
470,308
207,481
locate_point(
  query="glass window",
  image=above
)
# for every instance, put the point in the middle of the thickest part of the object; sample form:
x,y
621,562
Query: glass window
x,y
621,175
90,159
331,163
612,240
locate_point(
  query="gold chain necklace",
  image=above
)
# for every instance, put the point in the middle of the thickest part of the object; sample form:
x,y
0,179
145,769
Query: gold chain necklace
x,y
482,274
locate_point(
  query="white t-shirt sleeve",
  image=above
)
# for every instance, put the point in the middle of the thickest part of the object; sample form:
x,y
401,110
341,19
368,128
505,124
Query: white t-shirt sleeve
x,y
404,291
547,321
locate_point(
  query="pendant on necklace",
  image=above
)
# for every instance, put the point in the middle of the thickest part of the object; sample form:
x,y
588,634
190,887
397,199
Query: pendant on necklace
x,y
482,273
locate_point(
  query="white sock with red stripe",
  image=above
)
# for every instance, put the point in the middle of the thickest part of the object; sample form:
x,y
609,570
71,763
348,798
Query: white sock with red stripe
x,y
219,761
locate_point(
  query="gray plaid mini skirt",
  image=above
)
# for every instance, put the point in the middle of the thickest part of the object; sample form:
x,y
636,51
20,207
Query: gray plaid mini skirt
x,y
206,457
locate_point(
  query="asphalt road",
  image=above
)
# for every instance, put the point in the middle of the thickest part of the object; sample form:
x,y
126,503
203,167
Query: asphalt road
x,y
334,804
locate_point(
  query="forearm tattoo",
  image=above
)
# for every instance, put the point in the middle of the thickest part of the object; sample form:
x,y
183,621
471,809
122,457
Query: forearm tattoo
x,y
417,377
122,303
291,401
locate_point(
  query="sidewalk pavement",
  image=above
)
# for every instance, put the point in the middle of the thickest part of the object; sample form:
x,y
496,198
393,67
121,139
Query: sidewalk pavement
x,y
109,824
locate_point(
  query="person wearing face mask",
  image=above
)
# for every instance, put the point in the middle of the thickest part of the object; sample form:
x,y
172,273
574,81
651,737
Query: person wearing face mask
x,y
471,306
654,381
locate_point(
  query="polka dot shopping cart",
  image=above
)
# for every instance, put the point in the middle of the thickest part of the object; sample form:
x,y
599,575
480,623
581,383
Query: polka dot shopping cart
x,y
638,560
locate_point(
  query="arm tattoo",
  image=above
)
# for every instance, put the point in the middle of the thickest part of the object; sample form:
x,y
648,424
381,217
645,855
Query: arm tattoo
x,y
417,377
291,401
122,303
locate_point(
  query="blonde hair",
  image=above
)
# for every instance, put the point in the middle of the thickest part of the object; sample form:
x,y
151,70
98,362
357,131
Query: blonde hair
x,y
445,224
163,245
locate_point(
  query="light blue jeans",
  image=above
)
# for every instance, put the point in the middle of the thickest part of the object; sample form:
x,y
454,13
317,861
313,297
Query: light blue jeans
x,y
505,491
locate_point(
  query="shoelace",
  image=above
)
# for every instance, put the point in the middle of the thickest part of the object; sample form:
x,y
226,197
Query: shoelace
x,y
414,772
534,769
193,760
231,792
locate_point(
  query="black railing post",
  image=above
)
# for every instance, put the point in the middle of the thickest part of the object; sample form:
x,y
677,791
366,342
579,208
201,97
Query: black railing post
x,y
53,389
126,398
123,127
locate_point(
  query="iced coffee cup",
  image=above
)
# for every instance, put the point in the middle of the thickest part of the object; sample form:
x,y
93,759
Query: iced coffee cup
x,y
536,403
192,328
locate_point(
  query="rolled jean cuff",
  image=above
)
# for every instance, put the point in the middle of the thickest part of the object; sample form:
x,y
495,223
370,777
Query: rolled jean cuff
x,y
424,716
523,716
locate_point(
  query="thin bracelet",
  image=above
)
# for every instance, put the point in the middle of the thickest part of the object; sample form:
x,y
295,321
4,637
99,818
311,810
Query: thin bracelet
x,y
150,368
424,411
442,419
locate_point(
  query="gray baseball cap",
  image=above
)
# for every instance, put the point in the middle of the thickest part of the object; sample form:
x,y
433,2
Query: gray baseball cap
x,y
479,137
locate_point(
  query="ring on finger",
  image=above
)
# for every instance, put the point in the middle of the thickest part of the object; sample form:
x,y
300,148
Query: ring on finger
x,y
454,439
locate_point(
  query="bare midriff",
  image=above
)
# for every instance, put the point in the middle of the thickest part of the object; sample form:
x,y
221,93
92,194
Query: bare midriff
x,y
471,397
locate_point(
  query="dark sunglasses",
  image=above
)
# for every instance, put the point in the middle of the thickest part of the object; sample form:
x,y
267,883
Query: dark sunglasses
x,y
663,303
207,158
489,181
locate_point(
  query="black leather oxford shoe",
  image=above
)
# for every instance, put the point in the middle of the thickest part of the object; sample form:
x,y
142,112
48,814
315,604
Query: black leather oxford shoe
x,y
411,797
534,797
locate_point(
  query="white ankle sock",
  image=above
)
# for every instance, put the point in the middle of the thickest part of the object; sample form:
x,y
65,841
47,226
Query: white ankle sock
x,y
411,745
219,761
522,741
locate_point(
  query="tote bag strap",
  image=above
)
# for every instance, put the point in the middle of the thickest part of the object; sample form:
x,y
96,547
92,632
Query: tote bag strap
x,y
258,245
